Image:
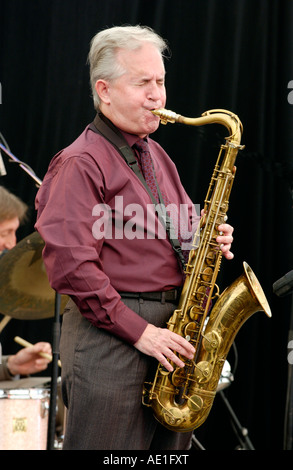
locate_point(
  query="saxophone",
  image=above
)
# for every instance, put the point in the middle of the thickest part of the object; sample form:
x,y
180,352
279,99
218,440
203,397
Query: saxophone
x,y
181,400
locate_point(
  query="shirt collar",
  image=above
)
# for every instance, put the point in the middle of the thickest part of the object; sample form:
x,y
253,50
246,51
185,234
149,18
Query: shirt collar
x,y
132,139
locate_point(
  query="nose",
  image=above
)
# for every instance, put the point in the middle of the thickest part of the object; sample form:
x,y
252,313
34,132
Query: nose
x,y
155,92
10,242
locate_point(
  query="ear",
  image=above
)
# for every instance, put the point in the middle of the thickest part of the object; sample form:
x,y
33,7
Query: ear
x,y
102,89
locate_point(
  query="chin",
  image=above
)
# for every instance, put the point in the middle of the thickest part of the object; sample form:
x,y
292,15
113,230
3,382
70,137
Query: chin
x,y
152,126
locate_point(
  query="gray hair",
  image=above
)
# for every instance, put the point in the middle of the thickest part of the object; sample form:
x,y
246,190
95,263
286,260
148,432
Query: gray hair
x,y
104,45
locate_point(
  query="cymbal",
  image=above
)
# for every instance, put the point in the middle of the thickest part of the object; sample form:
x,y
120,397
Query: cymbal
x,y
25,292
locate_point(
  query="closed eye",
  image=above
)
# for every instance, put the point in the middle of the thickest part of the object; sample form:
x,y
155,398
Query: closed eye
x,y
146,81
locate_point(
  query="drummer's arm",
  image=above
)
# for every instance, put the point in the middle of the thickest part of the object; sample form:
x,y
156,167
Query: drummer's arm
x,y
5,372
11,365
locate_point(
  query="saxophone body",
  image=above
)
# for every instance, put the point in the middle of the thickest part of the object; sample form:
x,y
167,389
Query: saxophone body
x,y
181,400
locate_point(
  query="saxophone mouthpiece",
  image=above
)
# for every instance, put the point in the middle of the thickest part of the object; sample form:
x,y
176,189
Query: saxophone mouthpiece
x,y
165,115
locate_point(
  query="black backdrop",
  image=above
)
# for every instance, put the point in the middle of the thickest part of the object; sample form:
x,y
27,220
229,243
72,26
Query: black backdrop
x,y
232,54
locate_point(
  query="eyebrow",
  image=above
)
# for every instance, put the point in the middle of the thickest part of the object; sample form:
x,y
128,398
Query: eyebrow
x,y
147,78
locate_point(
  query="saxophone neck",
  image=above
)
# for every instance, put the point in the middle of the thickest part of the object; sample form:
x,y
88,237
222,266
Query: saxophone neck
x,y
214,116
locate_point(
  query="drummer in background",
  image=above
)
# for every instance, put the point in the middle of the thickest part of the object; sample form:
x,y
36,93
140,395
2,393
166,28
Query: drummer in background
x,y
27,361
12,213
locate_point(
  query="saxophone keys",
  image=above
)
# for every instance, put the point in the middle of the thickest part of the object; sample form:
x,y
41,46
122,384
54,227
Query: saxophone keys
x,y
190,330
210,258
178,377
195,312
203,371
200,293
195,403
163,371
207,274
173,417
211,341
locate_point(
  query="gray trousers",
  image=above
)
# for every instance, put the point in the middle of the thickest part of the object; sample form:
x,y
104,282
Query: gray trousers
x,y
102,381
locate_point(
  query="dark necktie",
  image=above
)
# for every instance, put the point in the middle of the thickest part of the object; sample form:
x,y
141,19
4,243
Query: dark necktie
x,y
147,166
148,172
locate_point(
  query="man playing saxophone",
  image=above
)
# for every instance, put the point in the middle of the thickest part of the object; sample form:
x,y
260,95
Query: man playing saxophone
x,y
124,281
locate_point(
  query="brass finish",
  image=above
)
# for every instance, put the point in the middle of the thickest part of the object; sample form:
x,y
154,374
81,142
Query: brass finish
x,y
181,400
25,292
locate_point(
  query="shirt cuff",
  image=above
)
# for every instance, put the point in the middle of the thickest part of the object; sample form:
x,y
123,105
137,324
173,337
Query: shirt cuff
x,y
4,371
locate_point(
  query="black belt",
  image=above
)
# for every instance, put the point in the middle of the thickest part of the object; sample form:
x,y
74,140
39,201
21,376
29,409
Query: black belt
x,y
165,296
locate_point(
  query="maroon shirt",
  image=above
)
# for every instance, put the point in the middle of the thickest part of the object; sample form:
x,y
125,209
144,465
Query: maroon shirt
x,y
82,180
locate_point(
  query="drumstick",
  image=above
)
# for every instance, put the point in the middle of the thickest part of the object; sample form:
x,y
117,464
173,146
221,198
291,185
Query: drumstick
x,y
26,344
4,322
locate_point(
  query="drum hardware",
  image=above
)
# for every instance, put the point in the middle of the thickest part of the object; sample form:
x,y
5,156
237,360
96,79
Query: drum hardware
x,y
226,377
24,166
283,287
240,431
55,352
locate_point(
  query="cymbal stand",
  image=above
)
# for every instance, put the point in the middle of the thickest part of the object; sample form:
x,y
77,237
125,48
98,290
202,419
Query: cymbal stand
x,y
241,432
22,165
195,443
288,424
54,375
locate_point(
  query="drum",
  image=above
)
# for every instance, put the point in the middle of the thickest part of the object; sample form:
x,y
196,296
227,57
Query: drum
x,y
24,415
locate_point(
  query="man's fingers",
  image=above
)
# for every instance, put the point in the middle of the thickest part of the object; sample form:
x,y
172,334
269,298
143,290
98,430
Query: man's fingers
x,y
163,344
